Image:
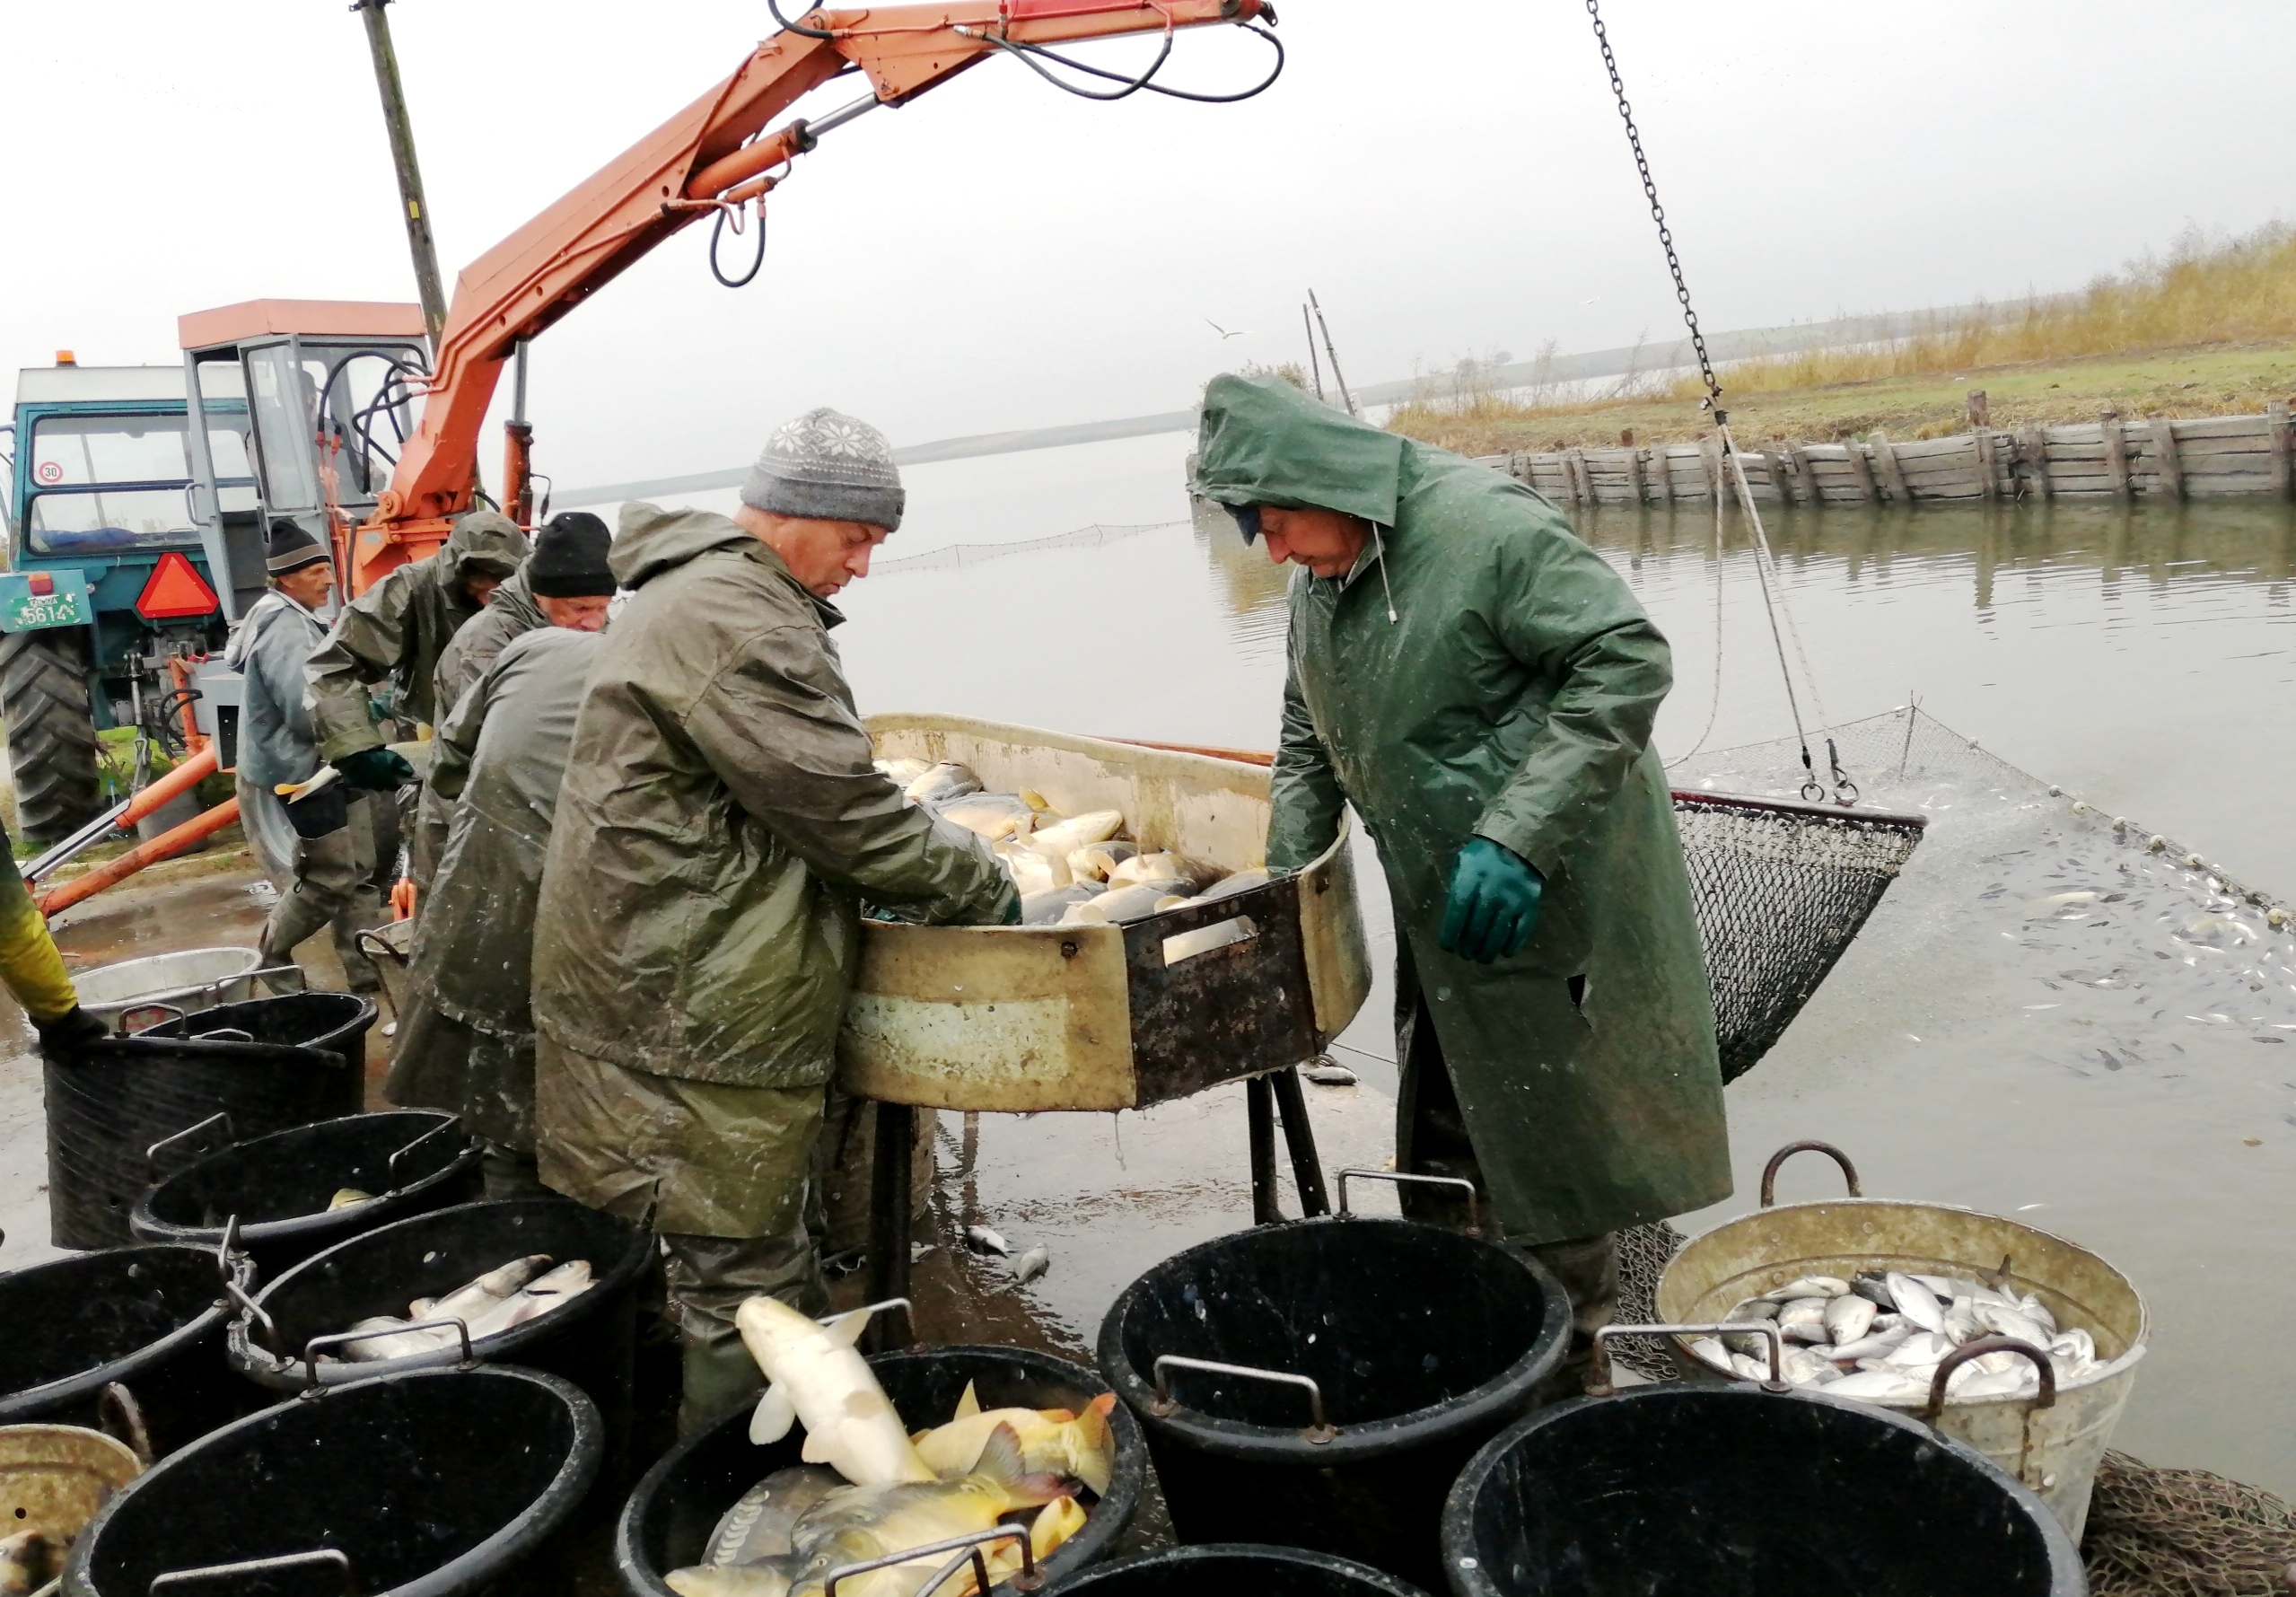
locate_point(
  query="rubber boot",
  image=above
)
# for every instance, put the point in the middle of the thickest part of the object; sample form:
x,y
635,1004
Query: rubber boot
x,y
719,1375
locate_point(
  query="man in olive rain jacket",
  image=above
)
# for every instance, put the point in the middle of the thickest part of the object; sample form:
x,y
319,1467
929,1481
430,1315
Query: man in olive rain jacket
x,y
720,823
1480,686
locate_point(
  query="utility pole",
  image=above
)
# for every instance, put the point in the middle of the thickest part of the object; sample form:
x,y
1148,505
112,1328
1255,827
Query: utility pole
x,y
419,243
1314,366
1332,352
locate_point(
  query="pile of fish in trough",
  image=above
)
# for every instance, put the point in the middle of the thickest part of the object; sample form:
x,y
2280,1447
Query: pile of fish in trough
x,y
1879,1338
523,1289
1072,869
869,1489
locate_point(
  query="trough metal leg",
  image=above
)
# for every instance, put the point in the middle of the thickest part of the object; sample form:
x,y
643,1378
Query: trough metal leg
x,y
888,1224
1259,1106
1300,1139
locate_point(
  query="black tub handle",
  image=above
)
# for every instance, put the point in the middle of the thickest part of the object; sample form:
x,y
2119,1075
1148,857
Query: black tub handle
x,y
1978,1347
968,1549
174,1012
220,1118
392,1169
222,1034
338,1561
238,1273
118,1404
1319,1433
345,1339
1770,1171
1598,1384
1474,1197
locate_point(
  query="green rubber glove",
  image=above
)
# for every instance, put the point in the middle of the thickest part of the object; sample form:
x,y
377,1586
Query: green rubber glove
x,y
1494,903
63,1037
1011,916
379,770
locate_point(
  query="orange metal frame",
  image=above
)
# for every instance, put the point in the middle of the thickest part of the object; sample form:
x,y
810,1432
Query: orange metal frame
x,y
714,153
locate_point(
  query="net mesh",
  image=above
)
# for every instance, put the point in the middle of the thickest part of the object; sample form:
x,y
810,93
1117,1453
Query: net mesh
x,y
2186,1534
1780,890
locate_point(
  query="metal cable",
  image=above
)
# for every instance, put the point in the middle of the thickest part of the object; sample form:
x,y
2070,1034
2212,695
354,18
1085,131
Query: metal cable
x,y
1713,702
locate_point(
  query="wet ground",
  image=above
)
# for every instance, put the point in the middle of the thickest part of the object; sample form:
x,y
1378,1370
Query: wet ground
x,y
2116,1069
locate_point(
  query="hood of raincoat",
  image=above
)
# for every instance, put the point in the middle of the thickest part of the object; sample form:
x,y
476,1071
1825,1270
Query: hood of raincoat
x,y
653,540
485,541
1264,442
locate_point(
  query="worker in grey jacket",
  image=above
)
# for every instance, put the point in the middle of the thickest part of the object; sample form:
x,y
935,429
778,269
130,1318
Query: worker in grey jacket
x,y
321,851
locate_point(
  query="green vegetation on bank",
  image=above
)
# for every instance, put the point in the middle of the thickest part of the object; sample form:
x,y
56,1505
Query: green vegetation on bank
x,y
2210,330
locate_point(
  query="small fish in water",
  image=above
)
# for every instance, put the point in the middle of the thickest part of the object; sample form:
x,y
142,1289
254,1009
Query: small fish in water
x,y
813,1374
1080,1446
348,1197
980,1239
947,780
1035,1262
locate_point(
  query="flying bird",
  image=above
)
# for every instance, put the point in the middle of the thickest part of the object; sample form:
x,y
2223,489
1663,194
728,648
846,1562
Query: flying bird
x,y
1222,331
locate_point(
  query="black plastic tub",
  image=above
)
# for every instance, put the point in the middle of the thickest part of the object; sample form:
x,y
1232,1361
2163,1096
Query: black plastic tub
x,y
667,1523
412,1160
1235,1569
592,1341
150,1318
1423,1342
268,1064
432,1483
1730,1491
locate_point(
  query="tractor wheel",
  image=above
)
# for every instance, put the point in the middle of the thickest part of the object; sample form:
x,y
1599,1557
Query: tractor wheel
x,y
52,733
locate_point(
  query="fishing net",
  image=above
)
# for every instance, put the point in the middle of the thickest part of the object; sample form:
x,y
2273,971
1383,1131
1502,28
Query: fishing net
x,y
1780,890
1644,1251
2186,1534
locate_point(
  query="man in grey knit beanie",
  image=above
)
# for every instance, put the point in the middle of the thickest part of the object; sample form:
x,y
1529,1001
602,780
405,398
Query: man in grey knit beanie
x,y
823,494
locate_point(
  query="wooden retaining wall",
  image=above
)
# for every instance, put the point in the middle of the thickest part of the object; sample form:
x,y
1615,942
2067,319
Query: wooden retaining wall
x,y
2150,458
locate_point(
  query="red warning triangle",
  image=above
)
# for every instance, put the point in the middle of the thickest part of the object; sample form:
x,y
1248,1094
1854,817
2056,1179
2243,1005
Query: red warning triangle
x,y
175,589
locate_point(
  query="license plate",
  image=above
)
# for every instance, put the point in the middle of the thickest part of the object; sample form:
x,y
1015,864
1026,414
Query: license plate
x,y
32,599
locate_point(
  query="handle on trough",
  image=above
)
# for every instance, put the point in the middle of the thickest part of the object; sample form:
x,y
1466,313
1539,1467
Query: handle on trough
x,y
152,1153
1598,1384
1978,1347
119,1405
968,1549
1319,1433
1770,1171
1474,1197
174,1012
391,1170
238,1271
333,1557
345,1339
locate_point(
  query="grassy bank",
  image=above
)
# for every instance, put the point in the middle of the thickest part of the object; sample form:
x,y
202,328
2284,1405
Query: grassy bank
x,y
2210,330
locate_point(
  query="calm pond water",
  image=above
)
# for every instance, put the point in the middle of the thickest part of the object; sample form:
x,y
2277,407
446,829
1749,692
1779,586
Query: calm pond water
x,y
2120,1070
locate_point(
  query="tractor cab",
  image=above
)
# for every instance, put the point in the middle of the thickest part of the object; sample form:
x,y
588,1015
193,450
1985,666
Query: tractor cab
x,y
328,389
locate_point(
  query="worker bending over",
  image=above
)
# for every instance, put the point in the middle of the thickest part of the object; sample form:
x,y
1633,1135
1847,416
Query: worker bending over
x,y
1480,686
564,583
466,1028
720,824
388,641
322,852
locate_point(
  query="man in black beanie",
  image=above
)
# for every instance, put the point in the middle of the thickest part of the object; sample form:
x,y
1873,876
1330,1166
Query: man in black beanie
x,y
564,583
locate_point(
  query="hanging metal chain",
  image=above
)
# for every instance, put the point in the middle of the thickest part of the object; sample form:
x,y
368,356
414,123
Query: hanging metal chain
x,y
1657,211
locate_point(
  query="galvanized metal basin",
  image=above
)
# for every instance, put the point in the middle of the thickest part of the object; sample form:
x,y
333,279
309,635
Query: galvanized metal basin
x,y
2053,1449
55,1478
168,984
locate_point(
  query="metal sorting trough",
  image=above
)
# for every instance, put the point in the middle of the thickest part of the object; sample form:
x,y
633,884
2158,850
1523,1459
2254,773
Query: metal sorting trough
x,y
1094,1017
2052,1447
54,1479
165,985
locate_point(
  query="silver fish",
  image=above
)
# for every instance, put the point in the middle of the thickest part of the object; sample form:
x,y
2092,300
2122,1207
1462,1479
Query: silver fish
x,y
1809,1286
947,780
1035,1262
1917,1303
1877,1386
2010,1323
982,1240
1329,1075
1848,1319
1878,1345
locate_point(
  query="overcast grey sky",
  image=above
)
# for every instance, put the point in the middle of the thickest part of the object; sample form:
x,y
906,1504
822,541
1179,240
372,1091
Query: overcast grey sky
x,y
1449,177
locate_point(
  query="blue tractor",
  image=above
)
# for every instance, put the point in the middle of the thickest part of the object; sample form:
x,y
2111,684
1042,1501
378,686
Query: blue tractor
x,y
109,598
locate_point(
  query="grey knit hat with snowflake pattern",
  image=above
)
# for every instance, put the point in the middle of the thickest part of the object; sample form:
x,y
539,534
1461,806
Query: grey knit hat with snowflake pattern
x,y
828,465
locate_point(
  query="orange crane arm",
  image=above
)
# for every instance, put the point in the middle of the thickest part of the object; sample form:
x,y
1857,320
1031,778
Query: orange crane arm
x,y
712,153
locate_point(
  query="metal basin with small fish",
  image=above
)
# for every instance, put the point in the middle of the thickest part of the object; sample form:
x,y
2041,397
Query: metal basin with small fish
x,y
667,1523
130,1336
53,1480
1236,1567
280,1187
1321,1383
430,1482
2051,1447
591,1341
1734,1491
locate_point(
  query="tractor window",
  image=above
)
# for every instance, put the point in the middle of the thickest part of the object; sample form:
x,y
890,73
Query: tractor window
x,y
83,451
284,394
109,519
118,482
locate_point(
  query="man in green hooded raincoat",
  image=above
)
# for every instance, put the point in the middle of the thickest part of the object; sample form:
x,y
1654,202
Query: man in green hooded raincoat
x,y
1480,686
